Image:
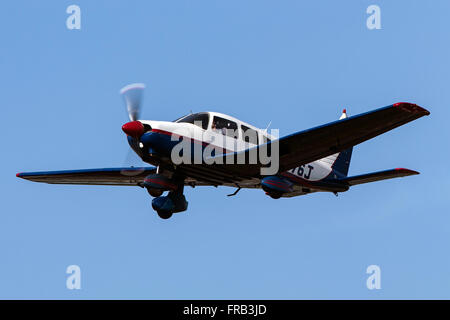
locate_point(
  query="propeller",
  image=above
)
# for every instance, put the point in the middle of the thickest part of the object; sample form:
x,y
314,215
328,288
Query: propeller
x,y
132,95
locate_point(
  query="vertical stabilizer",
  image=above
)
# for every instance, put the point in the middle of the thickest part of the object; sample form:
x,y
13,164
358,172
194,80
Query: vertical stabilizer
x,y
342,163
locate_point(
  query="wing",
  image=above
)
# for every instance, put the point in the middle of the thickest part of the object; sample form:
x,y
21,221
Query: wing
x,y
106,176
380,175
296,149
319,142
127,176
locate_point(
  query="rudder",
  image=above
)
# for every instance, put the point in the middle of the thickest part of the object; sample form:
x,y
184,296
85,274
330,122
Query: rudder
x,y
342,163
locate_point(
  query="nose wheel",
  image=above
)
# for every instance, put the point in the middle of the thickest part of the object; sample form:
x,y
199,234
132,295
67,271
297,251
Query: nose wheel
x,y
174,202
164,214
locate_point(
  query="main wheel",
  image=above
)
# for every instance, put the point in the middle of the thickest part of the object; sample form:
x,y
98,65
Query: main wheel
x,y
275,195
164,214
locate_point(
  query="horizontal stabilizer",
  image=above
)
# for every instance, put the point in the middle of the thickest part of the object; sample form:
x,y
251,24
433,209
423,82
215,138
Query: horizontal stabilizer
x,y
380,175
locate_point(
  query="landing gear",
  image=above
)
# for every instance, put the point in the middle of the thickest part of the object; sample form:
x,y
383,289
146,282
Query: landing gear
x,y
157,183
164,214
274,194
174,202
155,192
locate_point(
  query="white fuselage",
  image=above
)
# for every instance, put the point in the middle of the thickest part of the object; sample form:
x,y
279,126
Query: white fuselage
x,y
206,133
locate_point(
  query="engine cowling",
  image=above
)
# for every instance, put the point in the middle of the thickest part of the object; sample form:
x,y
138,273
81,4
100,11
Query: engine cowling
x,y
276,186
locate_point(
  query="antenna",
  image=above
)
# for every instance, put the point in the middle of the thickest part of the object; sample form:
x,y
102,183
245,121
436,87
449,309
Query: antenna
x,y
270,122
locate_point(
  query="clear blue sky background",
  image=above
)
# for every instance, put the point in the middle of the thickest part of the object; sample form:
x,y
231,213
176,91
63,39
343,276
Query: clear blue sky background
x,y
294,63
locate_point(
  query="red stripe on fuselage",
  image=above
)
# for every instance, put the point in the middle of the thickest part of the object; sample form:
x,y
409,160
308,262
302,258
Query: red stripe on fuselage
x,y
203,143
161,182
273,183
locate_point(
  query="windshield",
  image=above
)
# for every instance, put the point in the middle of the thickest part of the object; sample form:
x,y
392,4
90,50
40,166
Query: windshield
x,y
199,119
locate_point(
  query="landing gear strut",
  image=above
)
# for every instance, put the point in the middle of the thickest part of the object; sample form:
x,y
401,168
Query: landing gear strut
x,y
174,202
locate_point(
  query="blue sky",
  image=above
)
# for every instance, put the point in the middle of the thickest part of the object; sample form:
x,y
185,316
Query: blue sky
x,y
295,63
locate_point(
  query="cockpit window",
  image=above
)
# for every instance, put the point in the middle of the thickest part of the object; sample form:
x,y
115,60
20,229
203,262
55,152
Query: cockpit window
x,y
225,127
199,119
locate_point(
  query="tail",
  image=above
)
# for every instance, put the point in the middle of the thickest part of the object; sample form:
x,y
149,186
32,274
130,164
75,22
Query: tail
x,y
341,161
379,175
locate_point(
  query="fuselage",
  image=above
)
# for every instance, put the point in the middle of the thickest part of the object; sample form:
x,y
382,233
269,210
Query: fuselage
x,y
227,134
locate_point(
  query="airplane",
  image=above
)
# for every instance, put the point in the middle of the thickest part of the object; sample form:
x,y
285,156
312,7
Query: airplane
x,y
308,161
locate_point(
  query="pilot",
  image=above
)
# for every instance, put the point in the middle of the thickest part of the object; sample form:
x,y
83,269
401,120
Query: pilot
x,y
224,131
214,127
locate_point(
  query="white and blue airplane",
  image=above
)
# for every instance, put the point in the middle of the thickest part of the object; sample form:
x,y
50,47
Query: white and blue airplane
x,y
313,160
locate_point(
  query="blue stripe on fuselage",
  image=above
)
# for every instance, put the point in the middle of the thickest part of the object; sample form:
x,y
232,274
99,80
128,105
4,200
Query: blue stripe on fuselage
x,y
162,142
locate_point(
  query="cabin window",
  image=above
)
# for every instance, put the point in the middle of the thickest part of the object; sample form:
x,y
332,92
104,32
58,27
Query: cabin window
x,y
225,127
249,135
199,119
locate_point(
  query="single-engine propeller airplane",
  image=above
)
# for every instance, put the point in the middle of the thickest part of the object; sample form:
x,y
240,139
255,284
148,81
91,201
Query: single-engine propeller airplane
x,y
313,160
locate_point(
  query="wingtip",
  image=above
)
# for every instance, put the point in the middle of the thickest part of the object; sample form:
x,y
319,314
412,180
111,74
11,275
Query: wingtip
x,y
411,107
18,175
408,171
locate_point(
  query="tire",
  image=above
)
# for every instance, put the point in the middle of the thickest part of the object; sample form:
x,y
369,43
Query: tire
x,y
164,214
155,192
275,195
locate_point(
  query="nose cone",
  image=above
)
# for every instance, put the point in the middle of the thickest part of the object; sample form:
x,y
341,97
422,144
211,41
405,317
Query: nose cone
x,y
134,129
